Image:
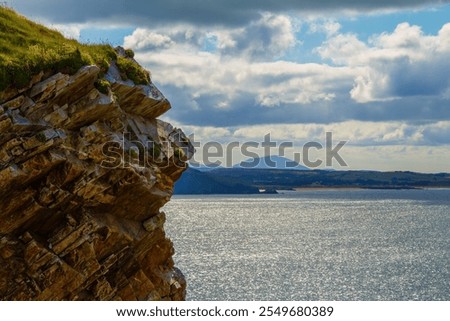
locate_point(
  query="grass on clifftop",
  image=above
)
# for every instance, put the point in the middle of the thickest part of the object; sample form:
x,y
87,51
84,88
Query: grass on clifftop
x,y
27,48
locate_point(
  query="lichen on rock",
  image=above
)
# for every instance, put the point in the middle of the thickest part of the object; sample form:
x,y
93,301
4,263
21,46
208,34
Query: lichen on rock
x,y
81,189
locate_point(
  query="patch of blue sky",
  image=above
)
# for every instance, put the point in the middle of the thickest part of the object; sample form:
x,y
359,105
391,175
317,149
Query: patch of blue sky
x,y
365,26
210,44
303,51
430,20
113,36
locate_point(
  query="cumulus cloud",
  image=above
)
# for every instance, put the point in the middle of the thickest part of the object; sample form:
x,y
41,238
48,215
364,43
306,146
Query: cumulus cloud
x,y
142,39
239,71
328,27
356,133
70,31
394,76
371,145
394,65
268,37
210,80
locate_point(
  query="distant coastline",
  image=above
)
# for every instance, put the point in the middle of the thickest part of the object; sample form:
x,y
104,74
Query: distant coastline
x,y
350,188
273,181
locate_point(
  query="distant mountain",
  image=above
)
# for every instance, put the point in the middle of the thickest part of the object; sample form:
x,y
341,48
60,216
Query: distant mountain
x,y
271,162
196,182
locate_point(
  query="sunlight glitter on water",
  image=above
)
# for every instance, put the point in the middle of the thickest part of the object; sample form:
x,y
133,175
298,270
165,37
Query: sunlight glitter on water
x,y
333,245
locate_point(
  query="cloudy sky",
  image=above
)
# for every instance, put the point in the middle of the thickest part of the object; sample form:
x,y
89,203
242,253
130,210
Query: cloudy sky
x,y
374,73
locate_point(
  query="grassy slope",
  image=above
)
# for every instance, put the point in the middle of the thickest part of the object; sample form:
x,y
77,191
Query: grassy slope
x,y
27,48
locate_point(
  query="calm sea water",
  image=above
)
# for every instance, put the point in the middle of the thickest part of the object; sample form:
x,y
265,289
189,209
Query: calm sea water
x,y
314,245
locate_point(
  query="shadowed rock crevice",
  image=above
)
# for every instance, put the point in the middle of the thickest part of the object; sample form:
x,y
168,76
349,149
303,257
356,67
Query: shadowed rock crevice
x,y
83,175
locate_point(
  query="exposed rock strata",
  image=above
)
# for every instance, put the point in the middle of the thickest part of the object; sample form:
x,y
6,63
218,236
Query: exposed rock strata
x,y
83,176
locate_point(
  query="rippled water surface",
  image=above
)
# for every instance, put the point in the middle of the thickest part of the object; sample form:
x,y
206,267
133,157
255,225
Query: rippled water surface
x,y
314,245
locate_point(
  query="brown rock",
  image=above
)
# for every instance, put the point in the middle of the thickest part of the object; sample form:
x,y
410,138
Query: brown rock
x,y
83,176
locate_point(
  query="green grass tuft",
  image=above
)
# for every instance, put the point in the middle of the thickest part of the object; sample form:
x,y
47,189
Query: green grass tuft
x,y
131,70
129,53
179,153
41,137
102,86
27,48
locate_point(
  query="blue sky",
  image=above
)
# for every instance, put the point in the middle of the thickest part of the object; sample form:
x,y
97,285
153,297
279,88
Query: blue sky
x,y
374,73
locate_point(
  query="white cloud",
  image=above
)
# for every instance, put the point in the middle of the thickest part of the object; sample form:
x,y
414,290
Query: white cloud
x,y
443,35
268,37
68,30
399,75
406,62
270,83
241,64
370,85
146,39
393,158
405,37
219,80
344,49
356,133
370,145
328,27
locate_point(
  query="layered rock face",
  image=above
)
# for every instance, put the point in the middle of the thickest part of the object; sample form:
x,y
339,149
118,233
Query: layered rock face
x,y
83,175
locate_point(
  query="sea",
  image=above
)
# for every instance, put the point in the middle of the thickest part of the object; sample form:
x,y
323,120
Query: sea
x,y
312,245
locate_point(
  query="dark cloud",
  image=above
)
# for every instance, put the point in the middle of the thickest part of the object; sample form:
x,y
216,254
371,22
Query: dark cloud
x,y
243,110
221,12
423,78
263,39
436,135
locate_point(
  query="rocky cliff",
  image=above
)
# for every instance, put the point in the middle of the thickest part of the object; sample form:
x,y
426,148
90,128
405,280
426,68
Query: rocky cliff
x,y
85,167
